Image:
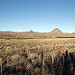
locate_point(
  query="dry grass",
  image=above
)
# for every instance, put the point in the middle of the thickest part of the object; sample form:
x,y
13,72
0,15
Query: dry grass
x,y
34,51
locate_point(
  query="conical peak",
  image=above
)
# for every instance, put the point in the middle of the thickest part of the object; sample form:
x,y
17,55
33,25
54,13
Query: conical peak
x,y
56,30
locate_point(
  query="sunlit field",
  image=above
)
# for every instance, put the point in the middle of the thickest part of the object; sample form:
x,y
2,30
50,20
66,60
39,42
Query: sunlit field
x,y
37,56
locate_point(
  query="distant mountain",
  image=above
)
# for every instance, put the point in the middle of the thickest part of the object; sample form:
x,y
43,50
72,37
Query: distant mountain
x,y
31,31
56,31
31,34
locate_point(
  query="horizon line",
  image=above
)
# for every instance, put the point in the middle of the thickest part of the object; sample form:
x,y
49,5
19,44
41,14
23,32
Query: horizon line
x,y
33,31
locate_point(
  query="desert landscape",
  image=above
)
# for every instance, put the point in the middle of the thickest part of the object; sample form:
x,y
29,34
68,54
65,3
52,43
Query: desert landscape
x,y
55,33
33,53
37,37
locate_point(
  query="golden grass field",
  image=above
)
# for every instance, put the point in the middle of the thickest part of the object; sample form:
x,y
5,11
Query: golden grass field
x,y
18,44
18,51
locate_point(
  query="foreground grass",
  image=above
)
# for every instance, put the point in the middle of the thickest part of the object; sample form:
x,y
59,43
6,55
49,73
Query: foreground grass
x,y
37,56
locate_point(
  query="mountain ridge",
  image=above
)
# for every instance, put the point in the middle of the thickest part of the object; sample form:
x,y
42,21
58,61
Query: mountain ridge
x,y
32,34
37,31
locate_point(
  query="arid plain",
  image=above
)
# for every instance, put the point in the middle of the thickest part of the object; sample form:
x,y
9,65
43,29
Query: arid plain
x,y
37,56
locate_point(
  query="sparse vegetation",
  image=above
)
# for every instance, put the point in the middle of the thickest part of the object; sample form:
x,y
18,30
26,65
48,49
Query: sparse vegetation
x,y
56,33
65,37
37,56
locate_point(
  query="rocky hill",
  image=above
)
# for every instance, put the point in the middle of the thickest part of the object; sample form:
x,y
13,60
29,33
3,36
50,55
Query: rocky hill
x,y
56,31
31,34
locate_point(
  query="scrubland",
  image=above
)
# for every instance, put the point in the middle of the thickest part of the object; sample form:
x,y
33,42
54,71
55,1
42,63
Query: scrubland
x,y
37,56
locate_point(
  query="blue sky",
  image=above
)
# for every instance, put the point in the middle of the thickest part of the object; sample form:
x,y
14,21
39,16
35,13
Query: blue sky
x,y
37,15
